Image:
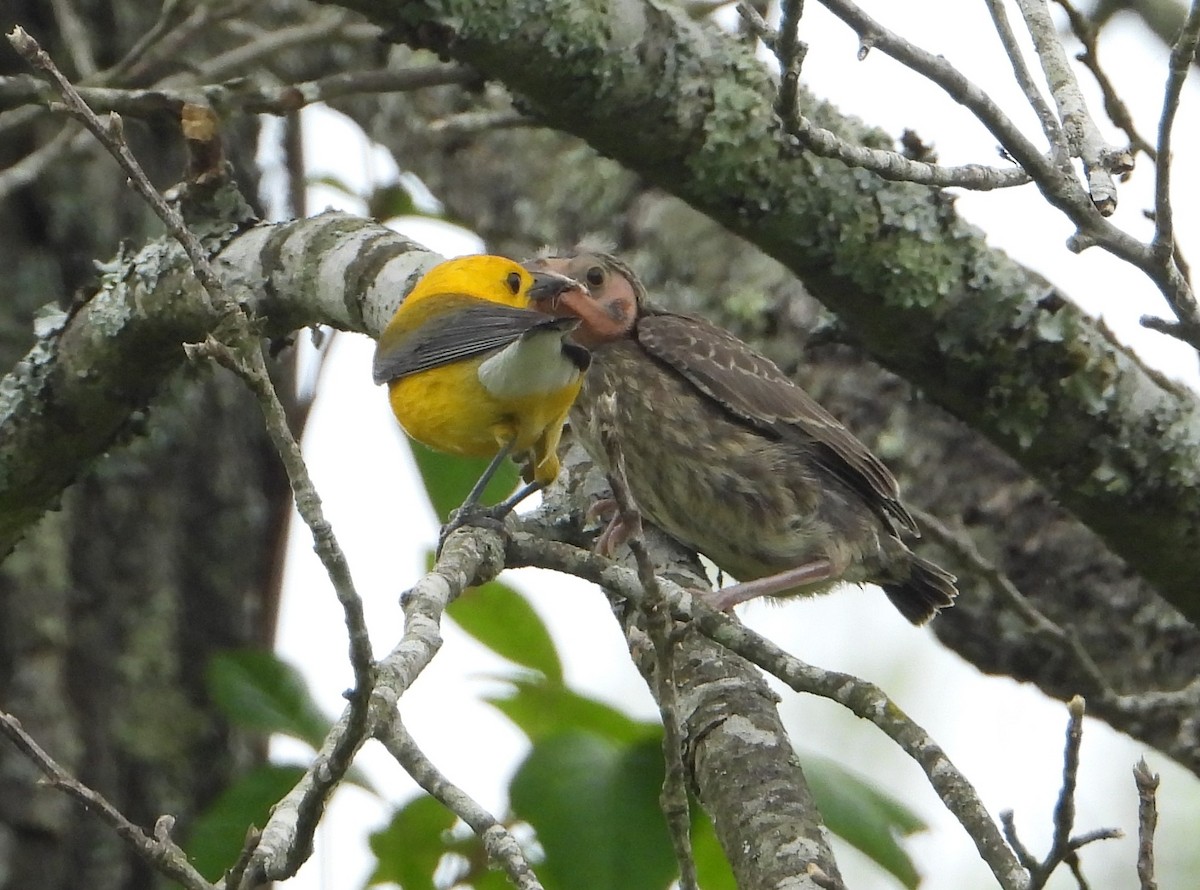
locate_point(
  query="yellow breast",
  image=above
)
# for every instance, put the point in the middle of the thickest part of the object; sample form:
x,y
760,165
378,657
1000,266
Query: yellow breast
x,y
450,410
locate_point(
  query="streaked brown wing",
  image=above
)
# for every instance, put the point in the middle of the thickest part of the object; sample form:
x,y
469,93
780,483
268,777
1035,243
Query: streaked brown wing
x,y
468,327
752,387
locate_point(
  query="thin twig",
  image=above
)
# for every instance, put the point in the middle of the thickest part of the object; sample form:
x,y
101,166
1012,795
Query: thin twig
x,y
889,165
171,16
659,627
1147,788
112,139
1064,808
1063,846
863,699
470,123
965,551
499,842
1100,161
246,95
895,167
1182,53
308,502
470,556
325,27
757,25
1049,121
159,851
1114,106
1060,188
790,51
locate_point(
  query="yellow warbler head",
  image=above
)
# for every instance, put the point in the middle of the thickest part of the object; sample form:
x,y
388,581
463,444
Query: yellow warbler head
x,y
492,278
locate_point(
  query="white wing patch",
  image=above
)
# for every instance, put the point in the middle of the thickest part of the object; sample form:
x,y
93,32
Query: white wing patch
x,y
533,365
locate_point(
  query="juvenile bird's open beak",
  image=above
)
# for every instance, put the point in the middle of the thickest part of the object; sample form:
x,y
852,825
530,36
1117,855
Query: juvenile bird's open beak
x,y
557,294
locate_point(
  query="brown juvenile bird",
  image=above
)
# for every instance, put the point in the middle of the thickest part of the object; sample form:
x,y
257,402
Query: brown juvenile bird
x,y
729,456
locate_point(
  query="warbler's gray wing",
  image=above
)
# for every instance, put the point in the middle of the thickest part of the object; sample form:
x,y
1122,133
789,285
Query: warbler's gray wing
x,y
467,327
751,387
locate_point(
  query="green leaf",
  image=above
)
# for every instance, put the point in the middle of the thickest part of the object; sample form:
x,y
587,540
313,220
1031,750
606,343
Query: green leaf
x,y
541,709
594,806
389,201
220,830
334,183
865,816
409,848
712,868
502,619
256,690
449,478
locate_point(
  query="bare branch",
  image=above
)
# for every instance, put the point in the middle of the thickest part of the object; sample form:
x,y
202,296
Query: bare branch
x,y
333,24
863,699
470,556
247,361
1050,125
790,51
1182,53
502,847
243,354
242,94
159,851
308,502
470,123
1114,107
1058,185
1147,788
1100,160
1063,847
757,25
894,166
890,165
965,550
1064,809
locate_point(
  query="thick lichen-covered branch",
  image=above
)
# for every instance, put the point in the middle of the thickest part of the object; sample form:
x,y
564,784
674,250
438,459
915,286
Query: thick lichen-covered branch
x,y
76,393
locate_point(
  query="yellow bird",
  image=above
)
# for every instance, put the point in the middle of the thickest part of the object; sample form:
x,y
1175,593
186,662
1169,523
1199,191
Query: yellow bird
x,y
471,370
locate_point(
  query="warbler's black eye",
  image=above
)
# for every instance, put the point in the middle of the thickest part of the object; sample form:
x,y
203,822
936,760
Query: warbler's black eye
x,y
595,276
514,282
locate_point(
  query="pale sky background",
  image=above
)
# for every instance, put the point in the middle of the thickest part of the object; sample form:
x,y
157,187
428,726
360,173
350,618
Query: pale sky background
x,y
1007,738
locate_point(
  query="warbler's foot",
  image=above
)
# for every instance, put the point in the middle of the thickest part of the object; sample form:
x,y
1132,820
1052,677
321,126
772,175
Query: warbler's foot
x,y
473,515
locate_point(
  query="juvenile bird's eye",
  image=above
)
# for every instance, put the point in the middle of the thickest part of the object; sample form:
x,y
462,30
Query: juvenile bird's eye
x,y
514,282
595,276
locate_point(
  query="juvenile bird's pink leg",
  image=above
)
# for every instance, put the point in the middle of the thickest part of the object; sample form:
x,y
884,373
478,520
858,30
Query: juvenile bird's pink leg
x,y
801,576
615,532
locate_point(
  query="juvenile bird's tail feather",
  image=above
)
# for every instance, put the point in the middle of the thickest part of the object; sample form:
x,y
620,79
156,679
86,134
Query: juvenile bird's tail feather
x,y
928,589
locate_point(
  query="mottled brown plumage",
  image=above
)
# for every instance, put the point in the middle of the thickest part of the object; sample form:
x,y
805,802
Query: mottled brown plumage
x,y
732,458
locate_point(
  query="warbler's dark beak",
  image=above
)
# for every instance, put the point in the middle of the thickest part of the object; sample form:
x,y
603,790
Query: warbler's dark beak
x,y
549,287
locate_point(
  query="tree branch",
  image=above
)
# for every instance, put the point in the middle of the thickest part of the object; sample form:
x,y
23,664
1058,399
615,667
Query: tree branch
x,y
1063,847
159,851
863,699
1147,788
502,847
471,556
245,95
1083,136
